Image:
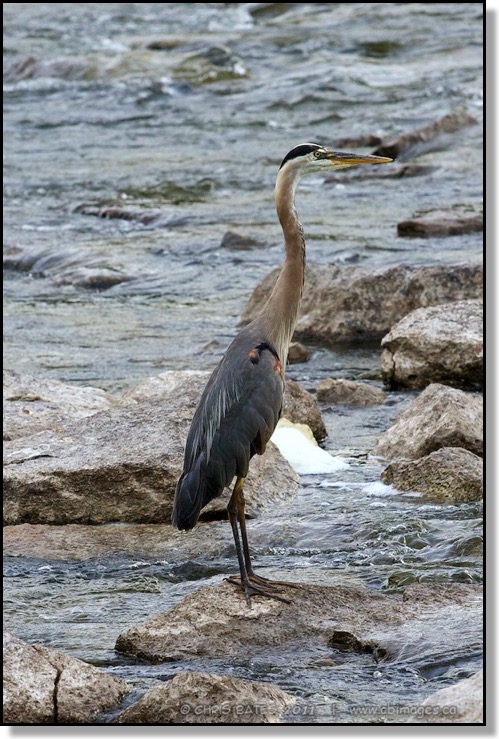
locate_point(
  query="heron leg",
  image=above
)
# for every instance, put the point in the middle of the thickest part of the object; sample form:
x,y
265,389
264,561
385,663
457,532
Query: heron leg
x,y
252,584
252,576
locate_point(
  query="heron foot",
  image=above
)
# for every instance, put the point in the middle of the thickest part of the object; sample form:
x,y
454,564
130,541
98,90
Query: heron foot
x,y
252,588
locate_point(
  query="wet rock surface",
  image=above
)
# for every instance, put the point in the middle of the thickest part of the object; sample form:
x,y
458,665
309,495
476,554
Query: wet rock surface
x,y
461,703
439,417
448,475
200,698
349,392
442,343
43,686
216,620
349,304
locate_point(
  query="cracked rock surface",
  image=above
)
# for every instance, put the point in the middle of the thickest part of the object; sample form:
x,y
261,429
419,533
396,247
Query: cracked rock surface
x,y
43,686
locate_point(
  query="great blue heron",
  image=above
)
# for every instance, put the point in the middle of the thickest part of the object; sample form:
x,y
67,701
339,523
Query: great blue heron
x,y
242,402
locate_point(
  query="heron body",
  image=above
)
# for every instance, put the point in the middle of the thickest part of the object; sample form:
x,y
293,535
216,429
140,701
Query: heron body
x,y
242,401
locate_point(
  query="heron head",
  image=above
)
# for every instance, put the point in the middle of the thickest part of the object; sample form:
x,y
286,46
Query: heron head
x,y
316,158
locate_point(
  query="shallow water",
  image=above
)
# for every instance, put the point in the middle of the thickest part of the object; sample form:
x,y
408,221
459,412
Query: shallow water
x,y
181,120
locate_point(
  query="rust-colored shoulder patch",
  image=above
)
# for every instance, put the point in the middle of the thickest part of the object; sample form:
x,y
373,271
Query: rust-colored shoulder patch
x,y
279,368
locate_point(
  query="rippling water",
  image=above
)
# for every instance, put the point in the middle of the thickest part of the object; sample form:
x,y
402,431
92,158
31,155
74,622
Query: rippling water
x,y
177,121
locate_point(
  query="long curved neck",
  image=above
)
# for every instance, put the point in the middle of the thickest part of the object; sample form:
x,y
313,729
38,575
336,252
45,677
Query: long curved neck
x,y
279,314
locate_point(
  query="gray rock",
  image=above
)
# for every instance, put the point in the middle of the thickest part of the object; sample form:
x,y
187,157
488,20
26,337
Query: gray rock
x,y
358,304
461,703
439,417
452,221
443,343
119,465
215,621
449,475
32,404
42,686
200,698
348,392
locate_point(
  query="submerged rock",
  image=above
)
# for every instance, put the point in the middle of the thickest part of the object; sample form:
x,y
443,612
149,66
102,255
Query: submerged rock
x,y
349,392
461,703
419,139
448,475
43,686
452,221
200,698
215,621
358,304
439,417
443,343
238,242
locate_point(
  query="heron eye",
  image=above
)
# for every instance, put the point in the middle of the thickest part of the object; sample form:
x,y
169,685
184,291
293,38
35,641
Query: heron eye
x,y
317,154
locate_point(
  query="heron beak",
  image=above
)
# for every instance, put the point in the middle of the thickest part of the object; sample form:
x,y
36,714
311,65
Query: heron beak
x,y
342,159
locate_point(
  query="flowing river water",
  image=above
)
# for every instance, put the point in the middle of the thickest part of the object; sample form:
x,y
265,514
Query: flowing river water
x,y
175,118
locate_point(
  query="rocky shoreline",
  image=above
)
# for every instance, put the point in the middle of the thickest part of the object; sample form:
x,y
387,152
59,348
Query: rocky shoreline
x,y
77,461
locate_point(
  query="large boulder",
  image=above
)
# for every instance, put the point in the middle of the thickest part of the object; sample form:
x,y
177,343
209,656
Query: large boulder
x,y
42,686
32,404
439,417
443,343
200,698
299,406
359,303
120,465
448,475
461,703
215,622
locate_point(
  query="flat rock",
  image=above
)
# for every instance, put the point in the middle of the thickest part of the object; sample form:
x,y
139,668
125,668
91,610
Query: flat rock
x,y
201,698
348,392
120,465
443,343
448,475
456,219
439,417
43,686
32,404
461,703
350,304
215,621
